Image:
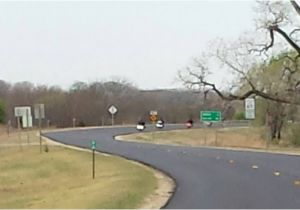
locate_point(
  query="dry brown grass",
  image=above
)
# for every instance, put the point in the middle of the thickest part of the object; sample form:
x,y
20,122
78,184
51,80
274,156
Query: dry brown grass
x,y
61,178
252,138
19,138
241,137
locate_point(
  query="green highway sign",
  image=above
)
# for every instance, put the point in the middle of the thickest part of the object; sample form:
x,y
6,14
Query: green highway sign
x,y
210,116
93,144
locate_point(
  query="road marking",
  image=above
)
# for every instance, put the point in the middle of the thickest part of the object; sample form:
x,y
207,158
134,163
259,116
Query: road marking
x,y
254,166
276,173
297,182
231,161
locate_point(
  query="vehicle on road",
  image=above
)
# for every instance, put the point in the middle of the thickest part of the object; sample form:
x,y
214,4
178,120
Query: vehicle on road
x,y
160,124
141,125
189,123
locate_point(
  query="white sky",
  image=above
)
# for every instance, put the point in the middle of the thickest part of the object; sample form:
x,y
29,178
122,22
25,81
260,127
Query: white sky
x,y
57,43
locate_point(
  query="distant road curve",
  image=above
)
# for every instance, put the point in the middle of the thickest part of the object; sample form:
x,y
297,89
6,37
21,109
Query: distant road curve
x,y
205,178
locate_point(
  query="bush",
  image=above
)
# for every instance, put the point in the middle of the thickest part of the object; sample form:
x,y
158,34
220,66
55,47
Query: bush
x,y
294,134
239,116
81,124
46,148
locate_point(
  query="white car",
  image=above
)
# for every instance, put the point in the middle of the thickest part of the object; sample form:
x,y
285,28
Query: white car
x,y
160,124
140,126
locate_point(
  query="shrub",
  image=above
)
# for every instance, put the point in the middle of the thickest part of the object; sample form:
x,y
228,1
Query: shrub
x,y
81,124
239,116
294,134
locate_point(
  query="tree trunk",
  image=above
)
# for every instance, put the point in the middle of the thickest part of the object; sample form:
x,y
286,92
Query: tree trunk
x,y
280,125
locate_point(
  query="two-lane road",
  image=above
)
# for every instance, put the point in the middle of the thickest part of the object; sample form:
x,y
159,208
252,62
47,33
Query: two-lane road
x,y
205,178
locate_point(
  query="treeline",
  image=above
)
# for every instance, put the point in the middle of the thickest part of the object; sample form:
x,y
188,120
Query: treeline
x,y
89,103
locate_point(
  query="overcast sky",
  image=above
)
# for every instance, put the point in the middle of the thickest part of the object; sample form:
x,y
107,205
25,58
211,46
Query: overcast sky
x,y
57,43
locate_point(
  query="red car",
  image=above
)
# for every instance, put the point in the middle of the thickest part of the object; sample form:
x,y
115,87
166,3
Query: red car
x,y
189,124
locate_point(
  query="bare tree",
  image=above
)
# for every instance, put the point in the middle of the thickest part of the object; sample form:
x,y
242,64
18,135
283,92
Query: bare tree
x,y
250,60
235,56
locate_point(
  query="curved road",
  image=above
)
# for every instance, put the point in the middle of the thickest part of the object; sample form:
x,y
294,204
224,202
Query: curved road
x,y
205,178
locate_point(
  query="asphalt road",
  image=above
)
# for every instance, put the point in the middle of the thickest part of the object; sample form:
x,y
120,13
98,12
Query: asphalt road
x,y
205,178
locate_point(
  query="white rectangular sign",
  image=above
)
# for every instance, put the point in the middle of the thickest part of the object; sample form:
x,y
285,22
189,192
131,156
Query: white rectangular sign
x,y
21,111
37,109
153,112
250,114
26,122
250,108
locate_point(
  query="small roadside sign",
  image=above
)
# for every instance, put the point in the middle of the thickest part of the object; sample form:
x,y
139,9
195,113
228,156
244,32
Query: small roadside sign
x,y
39,114
153,112
23,113
250,108
93,145
210,116
39,111
112,109
153,118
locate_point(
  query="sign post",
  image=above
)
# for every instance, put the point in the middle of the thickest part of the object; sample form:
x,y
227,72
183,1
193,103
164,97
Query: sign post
x,y
93,147
24,119
74,122
112,110
27,124
8,127
40,127
39,113
153,119
211,116
19,131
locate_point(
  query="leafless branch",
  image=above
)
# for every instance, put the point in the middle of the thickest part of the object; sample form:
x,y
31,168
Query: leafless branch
x,y
286,37
296,6
236,69
294,31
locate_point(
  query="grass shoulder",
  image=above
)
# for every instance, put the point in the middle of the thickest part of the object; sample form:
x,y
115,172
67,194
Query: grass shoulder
x,y
243,137
62,179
